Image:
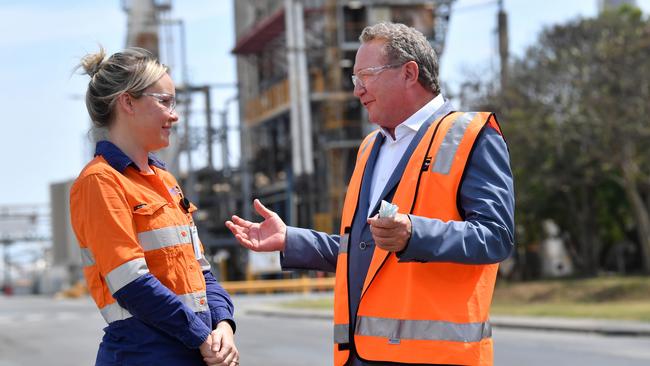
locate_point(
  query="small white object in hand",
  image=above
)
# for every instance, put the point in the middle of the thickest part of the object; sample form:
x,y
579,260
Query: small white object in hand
x,y
387,209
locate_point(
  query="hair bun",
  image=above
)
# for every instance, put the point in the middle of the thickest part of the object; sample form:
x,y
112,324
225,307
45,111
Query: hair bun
x,y
92,62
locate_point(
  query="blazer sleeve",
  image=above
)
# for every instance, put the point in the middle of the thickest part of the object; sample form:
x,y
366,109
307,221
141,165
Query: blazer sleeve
x,y
309,249
486,198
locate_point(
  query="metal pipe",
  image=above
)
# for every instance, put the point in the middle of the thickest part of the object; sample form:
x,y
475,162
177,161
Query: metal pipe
x,y
296,154
244,166
303,91
208,127
224,135
223,141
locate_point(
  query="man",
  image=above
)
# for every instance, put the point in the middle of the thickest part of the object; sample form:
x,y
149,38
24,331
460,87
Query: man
x,y
414,288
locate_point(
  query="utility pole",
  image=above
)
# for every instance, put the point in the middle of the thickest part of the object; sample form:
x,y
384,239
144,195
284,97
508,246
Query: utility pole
x,y
223,134
502,21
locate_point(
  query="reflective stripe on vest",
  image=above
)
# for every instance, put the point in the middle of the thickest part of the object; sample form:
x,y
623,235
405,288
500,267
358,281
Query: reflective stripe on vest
x,y
343,243
197,302
341,333
165,237
125,274
87,258
447,152
396,329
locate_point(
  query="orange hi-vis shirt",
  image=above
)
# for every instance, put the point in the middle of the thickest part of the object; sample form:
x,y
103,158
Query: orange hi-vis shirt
x,y
132,231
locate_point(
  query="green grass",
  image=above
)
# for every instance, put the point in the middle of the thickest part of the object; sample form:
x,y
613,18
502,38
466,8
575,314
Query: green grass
x,y
602,297
592,290
608,310
316,304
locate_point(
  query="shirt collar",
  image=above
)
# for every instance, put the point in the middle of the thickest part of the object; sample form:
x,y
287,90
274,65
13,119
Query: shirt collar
x,y
117,159
415,121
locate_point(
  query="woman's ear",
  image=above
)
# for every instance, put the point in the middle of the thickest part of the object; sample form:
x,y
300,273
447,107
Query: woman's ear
x,y
125,103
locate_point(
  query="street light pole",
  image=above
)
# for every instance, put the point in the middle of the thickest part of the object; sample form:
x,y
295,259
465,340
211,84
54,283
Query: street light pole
x,y
6,286
223,134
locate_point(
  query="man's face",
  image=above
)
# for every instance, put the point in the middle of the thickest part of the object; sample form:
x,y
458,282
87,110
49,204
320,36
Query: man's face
x,y
378,85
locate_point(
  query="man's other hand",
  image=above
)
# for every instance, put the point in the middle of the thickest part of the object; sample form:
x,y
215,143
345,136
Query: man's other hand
x,y
391,234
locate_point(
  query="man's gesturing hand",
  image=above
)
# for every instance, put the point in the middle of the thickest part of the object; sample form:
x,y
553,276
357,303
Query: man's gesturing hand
x,y
266,236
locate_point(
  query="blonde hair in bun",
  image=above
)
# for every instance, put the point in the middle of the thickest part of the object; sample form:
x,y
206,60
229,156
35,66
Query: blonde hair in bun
x,y
129,71
92,62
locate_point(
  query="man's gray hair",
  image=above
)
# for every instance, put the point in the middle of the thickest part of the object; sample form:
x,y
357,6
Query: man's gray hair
x,y
405,44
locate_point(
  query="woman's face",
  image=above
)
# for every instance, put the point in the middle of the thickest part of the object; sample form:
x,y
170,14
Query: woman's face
x,y
155,115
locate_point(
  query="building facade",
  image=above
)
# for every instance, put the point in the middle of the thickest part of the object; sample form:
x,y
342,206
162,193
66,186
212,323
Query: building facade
x,y
301,124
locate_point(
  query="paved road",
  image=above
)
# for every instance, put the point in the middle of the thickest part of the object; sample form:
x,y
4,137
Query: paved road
x,y
42,331
539,348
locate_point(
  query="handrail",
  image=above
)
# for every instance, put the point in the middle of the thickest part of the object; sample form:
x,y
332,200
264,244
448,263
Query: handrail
x,y
305,284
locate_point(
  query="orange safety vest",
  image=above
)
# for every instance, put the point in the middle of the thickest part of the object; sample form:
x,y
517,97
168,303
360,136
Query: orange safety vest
x,y
129,224
419,313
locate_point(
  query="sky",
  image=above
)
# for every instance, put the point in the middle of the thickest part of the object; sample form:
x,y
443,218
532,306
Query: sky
x,y
44,126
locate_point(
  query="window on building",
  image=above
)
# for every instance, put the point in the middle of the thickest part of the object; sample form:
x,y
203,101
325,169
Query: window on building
x,y
354,19
419,17
347,65
272,64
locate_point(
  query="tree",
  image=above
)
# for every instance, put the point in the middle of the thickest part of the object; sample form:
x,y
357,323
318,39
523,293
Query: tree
x,y
576,112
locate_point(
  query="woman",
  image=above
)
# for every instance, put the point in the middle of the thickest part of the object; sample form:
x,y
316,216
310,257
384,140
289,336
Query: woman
x,y
143,260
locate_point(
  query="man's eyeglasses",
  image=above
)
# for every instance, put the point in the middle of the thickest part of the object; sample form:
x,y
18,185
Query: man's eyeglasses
x,y
359,79
166,100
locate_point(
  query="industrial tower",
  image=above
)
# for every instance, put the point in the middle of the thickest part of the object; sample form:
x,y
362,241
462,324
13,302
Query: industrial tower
x,y
301,124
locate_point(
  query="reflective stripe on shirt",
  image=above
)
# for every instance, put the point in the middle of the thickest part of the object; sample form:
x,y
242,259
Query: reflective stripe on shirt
x,y
87,258
114,312
205,265
197,302
125,273
165,237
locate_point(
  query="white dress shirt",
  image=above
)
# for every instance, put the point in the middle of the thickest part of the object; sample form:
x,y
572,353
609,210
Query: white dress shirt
x,y
391,150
